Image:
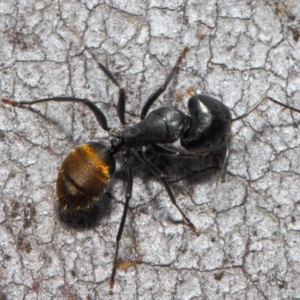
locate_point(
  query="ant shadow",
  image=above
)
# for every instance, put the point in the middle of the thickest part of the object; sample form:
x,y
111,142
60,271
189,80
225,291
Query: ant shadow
x,y
174,167
89,217
193,170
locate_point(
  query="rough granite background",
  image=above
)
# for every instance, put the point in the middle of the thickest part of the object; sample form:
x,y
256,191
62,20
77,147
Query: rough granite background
x,y
249,247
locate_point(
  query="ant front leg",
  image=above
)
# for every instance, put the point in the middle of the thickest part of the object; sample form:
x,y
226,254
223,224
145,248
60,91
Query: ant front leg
x,y
225,164
162,88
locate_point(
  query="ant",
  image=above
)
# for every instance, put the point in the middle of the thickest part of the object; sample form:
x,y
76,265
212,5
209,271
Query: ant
x,y
87,172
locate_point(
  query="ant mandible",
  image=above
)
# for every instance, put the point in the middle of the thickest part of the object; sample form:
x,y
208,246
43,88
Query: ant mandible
x,y
88,170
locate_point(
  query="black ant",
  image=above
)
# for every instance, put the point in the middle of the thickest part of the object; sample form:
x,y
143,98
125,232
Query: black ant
x,y
88,170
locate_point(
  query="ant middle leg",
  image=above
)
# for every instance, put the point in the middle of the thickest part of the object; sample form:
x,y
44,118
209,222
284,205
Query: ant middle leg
x,y
160,175
163,87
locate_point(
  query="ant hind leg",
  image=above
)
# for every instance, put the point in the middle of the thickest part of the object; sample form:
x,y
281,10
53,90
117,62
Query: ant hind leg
x,y
95,109
129,181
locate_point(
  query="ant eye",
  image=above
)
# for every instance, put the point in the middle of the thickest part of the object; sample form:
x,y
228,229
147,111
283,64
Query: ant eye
x,y
217,107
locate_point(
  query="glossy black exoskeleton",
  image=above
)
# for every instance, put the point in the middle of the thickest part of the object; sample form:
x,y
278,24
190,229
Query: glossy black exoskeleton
x,y
88,170
161,126
211,125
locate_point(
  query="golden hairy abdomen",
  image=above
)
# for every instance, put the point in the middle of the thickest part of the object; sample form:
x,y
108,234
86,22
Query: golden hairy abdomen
x,y
84,176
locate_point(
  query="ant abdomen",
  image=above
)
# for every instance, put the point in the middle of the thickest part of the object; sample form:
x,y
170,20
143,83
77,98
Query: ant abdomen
x,y
84,176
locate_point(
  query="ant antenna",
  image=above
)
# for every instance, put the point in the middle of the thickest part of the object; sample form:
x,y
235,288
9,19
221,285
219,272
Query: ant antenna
x,y
228,141
261,101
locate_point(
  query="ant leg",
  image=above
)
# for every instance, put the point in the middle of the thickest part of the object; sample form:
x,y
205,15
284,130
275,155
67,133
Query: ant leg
x,y
122,95
162,88
129,181
159,174
96,110
166,150
261,101
225,164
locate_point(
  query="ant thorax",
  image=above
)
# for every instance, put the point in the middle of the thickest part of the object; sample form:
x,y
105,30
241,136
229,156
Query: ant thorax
x,y
117,132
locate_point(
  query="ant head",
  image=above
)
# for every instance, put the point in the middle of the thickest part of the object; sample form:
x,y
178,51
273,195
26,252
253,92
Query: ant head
x,y
211,125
